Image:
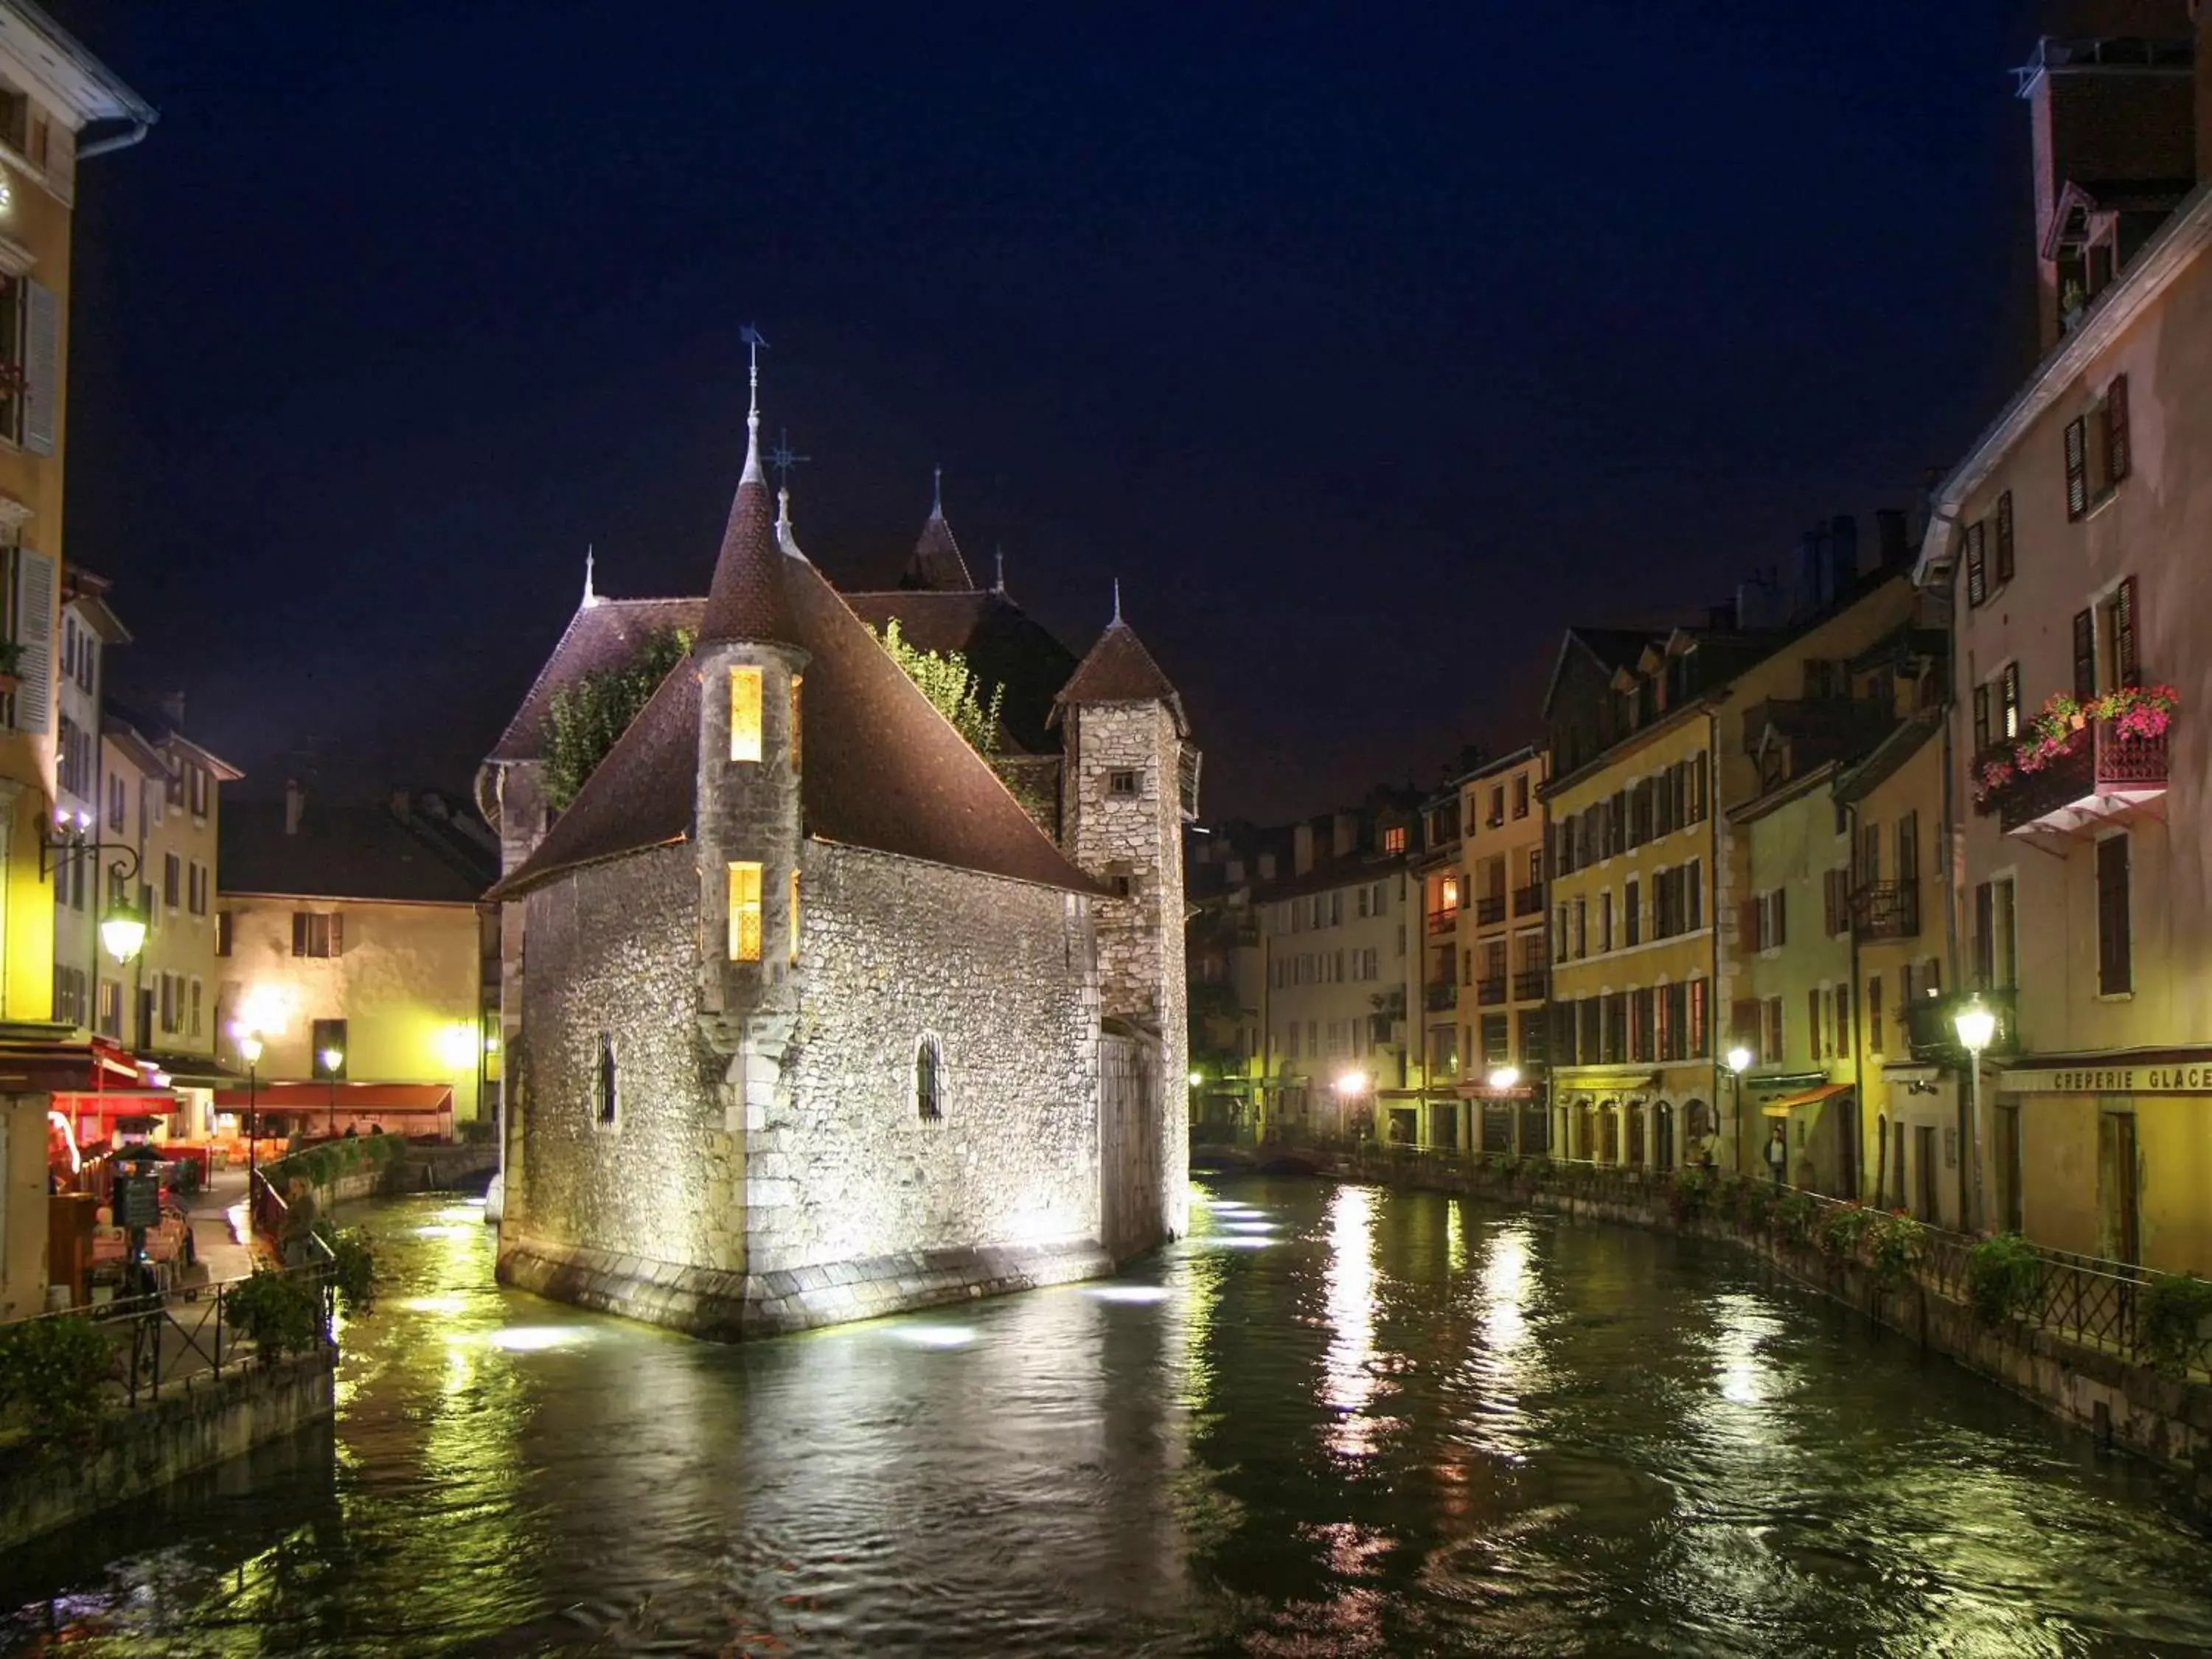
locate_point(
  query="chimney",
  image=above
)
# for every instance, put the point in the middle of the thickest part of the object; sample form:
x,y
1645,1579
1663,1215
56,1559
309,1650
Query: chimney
x,y
296,803
1889,529
2112,99
400,803
1347,833
1267,865
172,710
1842,553
1302,847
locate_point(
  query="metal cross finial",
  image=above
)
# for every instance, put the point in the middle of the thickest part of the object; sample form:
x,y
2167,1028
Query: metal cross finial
x,y
937,492
752,337
998,570
1117,599
781,459
590,596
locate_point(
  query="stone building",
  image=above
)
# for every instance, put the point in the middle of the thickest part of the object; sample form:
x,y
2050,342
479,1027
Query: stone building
x,y
819,1022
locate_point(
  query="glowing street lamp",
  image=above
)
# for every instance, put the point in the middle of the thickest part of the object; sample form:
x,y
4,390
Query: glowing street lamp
x,y
1739,1060
122,934
1505,1077
332,1059
249,1050
1977,1025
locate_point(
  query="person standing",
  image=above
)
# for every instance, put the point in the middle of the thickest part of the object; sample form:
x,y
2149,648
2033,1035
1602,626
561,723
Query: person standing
x,y
1777,1152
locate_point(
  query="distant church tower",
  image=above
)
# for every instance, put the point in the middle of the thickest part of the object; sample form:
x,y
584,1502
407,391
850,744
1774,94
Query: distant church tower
x,y
751,681
1128,784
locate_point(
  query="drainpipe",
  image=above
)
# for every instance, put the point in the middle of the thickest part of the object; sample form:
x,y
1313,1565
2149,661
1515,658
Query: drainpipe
x,y
1970,1150
137,135
1858,1008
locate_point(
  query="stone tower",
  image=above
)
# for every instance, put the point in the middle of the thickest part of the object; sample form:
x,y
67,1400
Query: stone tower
x,y
1128,784
751,682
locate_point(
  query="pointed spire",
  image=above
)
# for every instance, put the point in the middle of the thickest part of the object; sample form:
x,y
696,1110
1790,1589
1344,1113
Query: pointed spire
x,y
937,492
746,601
998,570
591,597
783,512
936,561
1116,623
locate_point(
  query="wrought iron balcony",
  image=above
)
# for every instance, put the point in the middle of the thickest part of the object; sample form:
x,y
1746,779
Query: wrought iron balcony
x,y
1443,994
1531,985
1489,993
1529,901
1490,909
1444,922
2097,774
1887,909
1932,1033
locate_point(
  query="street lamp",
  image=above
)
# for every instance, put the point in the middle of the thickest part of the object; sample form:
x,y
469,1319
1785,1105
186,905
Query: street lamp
x,y
1739,1061
1505,1077
1976,1024
332,1059
249,1050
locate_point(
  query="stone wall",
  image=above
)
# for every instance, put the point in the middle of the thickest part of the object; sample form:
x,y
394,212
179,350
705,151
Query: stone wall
x,y
612,953
193,1428
841,1166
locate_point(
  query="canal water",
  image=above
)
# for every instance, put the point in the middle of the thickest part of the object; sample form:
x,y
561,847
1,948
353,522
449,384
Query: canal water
x,y
1336,1420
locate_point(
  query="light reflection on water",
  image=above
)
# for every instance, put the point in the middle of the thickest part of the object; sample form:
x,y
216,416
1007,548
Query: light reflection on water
x,y
1389,1424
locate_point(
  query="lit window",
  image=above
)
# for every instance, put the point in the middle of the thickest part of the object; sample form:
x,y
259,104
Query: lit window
x,y
1393,839
794,915
797,680
745,913
745,715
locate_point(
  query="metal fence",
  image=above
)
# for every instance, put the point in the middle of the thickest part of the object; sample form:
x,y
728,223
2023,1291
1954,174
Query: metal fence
x,y
2085,1300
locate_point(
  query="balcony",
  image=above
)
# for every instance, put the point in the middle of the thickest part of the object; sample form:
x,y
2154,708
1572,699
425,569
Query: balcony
x,y
1934,1038
1490,993
1441,997
2097,774
1490,910
1531,985
1529,901
1444,922
1885,909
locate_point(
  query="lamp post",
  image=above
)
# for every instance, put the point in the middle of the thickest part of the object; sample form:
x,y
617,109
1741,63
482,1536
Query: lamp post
x,y
1349,1087
249,1050
332,1059
1739,1063
1976,1024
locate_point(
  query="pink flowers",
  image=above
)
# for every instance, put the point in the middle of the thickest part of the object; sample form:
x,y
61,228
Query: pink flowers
x,y
2133,713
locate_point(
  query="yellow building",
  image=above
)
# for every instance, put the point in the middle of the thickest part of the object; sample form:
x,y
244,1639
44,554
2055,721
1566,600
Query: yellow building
x,y
1631,825
355,946
58,105
1504,956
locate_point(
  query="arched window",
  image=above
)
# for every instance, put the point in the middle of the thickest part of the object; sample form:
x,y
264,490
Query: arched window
x,y
928,1081
606,1098
1697,1120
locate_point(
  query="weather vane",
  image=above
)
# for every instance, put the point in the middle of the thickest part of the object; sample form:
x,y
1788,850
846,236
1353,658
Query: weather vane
x,y
781,460
752,337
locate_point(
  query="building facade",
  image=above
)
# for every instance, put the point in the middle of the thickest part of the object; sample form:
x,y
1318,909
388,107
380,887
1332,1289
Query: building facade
x,y
1504,958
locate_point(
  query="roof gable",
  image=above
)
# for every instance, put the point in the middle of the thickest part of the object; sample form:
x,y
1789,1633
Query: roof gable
x,y
603,633
936,561
1119,670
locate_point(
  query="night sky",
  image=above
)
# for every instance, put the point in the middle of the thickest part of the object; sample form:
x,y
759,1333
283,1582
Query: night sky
x,y
1369,349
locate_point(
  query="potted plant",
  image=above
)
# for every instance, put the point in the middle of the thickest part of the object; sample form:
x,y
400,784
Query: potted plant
x,y
11,654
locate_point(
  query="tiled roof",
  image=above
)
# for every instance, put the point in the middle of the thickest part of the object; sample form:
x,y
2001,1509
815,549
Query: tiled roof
x,y
883,768
1003,644
603,633
745,599
343,852
935,562
1119,670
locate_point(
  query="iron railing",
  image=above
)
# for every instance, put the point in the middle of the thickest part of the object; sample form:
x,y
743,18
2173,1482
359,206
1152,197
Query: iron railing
x,y
1530,985
2094,761
1530,899
1444,922
1442,995
1490,909
1489,993
1887,909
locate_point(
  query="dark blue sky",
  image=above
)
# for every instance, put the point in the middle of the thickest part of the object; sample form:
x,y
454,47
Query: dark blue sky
x,y
1368,348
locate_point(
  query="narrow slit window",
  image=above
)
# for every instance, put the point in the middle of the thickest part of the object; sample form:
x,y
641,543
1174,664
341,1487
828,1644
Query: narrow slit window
x,y
744,713
744,912
794,915
797,681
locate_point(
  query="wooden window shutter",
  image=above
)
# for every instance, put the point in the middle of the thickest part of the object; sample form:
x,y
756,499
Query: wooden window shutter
x,y
1981,718
2010,683
1830,908
338,934
1743,1020
2085,655
2116,427
2115,951
2077,469
34,636
1843,1022
2124,662
2004,538
1984,931
42,367
1781,916
1747,926
1977,587
299,932
1908,847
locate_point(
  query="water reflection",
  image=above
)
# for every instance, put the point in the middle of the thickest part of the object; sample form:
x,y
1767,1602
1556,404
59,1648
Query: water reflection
x,y
1334,1421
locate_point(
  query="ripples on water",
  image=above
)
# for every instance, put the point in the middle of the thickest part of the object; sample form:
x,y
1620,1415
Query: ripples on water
x,y
1337,1420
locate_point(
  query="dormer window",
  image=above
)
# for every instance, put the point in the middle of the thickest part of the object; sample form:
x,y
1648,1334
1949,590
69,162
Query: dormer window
x,y
745,713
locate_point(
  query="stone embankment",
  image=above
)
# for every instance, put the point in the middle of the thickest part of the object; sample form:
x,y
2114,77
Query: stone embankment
x,y
2073,1354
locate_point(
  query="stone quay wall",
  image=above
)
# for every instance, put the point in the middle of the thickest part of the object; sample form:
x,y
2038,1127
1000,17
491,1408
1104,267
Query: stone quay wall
x,y
192,1428
2166,1418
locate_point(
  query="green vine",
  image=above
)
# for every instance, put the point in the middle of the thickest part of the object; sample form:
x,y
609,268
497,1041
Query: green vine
x,y
2003,1276
585,719
52,1373
280,1313
952,688
2170,1322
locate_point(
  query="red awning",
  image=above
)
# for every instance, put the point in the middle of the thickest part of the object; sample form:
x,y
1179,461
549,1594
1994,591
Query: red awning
x,y
1783,1107
295,1096
117,1102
